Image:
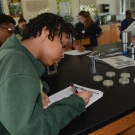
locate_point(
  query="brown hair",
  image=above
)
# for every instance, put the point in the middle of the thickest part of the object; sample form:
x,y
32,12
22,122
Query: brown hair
x,y
87,15
21,19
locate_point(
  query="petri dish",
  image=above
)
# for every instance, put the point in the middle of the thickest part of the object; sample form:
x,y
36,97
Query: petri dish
x,y
134,80
123,80
108,83
110,74
125,75
98,78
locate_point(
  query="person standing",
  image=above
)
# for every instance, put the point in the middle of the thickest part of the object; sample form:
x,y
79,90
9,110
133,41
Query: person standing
x,y
87,27
126,22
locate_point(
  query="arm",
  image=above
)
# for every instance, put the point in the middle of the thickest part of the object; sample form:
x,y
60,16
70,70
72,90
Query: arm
x,y
22,111
98,35
78,46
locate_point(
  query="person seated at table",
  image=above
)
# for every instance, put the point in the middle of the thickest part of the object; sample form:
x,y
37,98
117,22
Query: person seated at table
x,y
126,22
22,100
87,27
72,43
21,26
132,29
7,26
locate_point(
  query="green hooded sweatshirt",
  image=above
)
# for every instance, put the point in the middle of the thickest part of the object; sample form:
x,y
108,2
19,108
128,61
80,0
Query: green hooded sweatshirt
x,y
21,110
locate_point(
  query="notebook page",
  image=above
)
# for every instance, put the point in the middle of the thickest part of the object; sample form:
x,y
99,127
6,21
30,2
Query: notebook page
x,y
68,91
75,52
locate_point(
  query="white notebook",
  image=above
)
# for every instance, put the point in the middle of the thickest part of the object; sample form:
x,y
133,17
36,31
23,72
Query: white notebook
x,y
75,52
68,91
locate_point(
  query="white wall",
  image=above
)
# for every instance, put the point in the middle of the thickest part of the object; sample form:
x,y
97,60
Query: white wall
x,y
52,6
75,8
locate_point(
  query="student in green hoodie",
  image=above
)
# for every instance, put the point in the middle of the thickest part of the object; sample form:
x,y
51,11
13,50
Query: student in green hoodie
x,y
22,100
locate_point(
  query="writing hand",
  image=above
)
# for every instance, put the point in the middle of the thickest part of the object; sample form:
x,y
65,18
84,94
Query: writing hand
x,y
45,100
80,48
85,95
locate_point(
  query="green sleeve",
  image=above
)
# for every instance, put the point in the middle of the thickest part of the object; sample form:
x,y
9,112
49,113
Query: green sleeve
x,y
22,113
45,87
60,113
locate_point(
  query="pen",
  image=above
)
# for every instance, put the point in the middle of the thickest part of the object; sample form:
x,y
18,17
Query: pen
x,y
83,89
73,87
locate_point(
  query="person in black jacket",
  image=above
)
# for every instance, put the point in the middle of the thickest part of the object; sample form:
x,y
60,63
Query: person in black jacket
x,y
21,26
87,27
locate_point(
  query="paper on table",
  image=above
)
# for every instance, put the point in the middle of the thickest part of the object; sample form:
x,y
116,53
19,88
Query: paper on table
x,y
68,91
75,52
119,61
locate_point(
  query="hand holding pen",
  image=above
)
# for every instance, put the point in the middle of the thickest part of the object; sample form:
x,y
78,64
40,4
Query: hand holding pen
x,y
85,95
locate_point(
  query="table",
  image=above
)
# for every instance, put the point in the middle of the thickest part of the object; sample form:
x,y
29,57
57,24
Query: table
x,y
116,104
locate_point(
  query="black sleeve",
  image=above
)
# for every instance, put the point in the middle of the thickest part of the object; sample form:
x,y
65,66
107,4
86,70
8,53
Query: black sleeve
x,y
76,28
96,28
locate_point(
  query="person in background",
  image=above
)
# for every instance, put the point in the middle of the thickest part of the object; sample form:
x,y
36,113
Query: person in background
x,y
126,22
132,29
74,44
87,27
22,100
7,26
21,26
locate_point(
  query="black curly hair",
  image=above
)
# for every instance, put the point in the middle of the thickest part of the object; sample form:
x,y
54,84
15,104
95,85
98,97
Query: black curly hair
x,y
54,23
5,19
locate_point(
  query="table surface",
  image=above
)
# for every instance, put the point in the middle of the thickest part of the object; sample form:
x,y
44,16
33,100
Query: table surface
x,y
117,101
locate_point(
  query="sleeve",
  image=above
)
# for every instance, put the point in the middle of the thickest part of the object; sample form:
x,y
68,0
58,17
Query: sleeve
x,y
45,87
97,29
22,113
77,28
60,113
123,25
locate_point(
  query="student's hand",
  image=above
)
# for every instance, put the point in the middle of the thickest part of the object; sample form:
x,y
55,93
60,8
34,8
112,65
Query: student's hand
x,y
80,48
133,39
45,100
77,45
85,95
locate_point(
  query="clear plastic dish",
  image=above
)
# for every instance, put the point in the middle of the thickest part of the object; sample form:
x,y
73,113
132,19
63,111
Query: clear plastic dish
x,y
125,75
97,78
123,80
108,83
110,74
134,80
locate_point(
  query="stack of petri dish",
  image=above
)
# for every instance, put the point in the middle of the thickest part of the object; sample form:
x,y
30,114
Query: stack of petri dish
x,y
124,78
108,83
110,74
98,78
125,75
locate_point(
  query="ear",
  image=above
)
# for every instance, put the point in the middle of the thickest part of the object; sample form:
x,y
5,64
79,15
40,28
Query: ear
x,y
44,33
